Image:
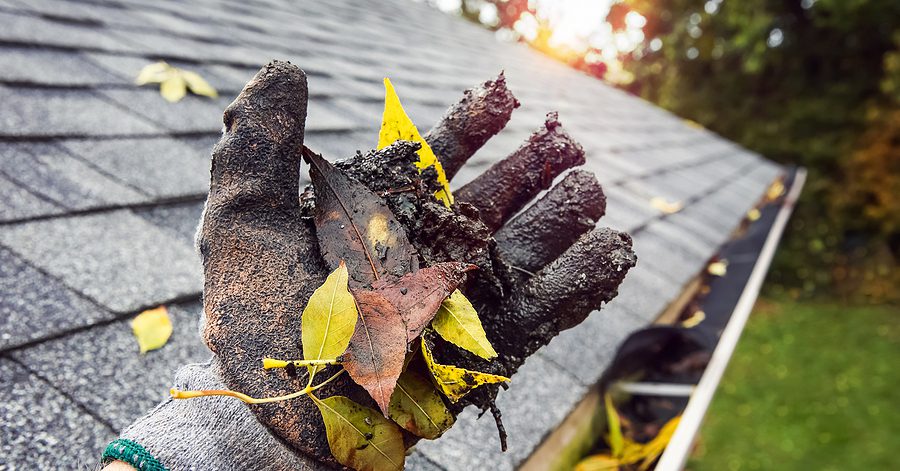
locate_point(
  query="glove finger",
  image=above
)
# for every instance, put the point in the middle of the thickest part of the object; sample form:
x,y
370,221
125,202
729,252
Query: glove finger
x,y
551,225
510,184
256,163
563,293
482,112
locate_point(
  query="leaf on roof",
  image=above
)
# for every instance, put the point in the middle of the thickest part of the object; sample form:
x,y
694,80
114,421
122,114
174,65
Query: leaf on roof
x,y
418,407
458,323
354,225
152,328
360,437
453,381
174,83
753,214
665,206
718,268
396,125
374,357
328,319
419,295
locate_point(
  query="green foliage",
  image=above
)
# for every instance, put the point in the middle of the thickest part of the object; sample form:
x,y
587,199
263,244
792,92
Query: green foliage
x,y
802,82
787,403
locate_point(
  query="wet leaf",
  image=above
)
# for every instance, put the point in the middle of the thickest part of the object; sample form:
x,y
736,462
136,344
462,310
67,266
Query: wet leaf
x,y
753,214
614,438
654,448
360,437
374,358
354,224
419,295
456,382
152,328
695,319
396,125
417,407
328,320
174,82
458,323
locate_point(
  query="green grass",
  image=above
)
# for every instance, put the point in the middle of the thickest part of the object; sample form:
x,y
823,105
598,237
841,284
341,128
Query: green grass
x,y
810,387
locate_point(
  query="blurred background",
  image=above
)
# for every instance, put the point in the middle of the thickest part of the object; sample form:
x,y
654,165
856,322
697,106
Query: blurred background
x,y
814,83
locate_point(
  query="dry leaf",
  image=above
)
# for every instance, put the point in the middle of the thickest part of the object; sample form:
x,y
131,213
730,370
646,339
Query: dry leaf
x,y
718,268
174,82
776,189
753,214
374,358
328,320
417,407
458,323
354,225
360,437
396,125
695,319
152,328
419,295
456,382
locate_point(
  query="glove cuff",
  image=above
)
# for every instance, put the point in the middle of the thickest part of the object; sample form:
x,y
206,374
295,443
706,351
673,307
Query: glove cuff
x,y
132,453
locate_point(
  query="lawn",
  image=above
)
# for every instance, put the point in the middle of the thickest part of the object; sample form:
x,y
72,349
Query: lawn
x,y
811,386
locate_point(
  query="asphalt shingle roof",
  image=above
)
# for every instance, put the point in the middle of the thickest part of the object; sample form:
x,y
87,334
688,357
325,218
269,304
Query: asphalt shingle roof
x,y
102,185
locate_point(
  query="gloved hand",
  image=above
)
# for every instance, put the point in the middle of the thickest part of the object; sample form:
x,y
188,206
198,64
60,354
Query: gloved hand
x,y
539,273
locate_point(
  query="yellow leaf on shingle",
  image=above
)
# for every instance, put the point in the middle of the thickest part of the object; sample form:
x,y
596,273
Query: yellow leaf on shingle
x,y
174,83
152,328
198,85
173,88
396,125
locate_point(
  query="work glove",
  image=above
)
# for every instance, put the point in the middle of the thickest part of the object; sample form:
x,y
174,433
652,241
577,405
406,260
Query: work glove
x,y
539,271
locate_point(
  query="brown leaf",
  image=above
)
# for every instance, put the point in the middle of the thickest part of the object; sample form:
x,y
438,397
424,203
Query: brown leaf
x,y
419,295
375,356
355,225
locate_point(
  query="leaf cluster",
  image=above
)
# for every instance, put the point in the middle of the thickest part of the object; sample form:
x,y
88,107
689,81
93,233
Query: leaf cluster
x,y
174,83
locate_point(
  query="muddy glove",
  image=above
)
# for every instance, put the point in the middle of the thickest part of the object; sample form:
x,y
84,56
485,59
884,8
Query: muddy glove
x,y
541,272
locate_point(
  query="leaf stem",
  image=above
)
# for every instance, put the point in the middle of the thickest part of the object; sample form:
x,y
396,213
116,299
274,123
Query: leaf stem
x,y
179,394
269,363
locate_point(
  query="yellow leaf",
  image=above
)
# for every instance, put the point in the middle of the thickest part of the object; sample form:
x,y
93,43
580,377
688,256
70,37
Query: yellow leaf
x,y
615,440
598,463
360,437
655,447
396,125
198,85
666,207
719,268
152,328
776,189
456,382
328,320
173,88
458,323
695,319
154,73
417,407
753,214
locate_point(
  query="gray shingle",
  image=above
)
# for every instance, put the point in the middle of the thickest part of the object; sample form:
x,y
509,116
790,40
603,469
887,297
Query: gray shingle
x,y
116,258
181,220
673,259
641,280
19,203
191,114
160,167
48,67
26,29
47,170
35,305
43,112
42,429
626,211
539,397
102,366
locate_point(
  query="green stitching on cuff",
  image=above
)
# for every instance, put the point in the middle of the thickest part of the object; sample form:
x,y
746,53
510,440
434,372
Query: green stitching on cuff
x,y
131,453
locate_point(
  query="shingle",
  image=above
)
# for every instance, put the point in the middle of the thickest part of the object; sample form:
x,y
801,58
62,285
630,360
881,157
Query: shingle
x,y
159,44
25,29
19,203
103,368
673,259
625,211
643,279
44,112
48,67
36,306
180,220
540,397
160,167
127,68
191,114
116,258
42,429
47,170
